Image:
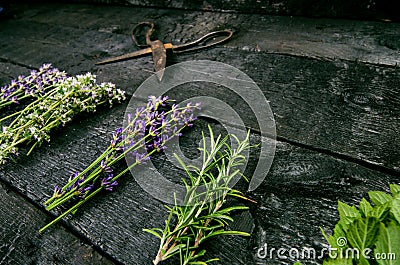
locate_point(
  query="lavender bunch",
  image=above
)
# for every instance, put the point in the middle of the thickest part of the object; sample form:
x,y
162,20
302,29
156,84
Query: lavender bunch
x,y
147,132
67,97
34,85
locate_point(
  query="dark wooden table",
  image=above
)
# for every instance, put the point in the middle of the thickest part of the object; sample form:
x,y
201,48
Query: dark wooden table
x,y
333,86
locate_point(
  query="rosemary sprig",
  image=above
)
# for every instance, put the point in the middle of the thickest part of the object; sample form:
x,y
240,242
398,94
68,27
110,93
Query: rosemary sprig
x,y
149,128
203,215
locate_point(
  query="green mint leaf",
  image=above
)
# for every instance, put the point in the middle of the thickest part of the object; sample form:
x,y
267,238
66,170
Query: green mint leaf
x,y
396,209
347,212
365,207
395,189
363,232
388,244
379,197
338,233
380,212
325,235
363,261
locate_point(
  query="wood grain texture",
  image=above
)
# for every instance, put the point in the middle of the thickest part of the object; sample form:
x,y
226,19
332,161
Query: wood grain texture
x,y
325,103
360,9
20,242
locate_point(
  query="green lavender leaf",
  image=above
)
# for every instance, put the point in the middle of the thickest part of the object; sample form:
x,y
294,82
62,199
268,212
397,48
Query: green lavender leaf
x,y
388,243
325,235
379,197
198,255
363,232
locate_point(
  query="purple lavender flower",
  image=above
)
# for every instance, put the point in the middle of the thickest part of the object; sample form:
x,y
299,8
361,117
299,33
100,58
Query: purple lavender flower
x,y
140,158
117,137
155,102
73,176
77,183
58,192
105,167
108,183
84,191
14,99
158,145
153,131
188,119
140,112
35,84
129,117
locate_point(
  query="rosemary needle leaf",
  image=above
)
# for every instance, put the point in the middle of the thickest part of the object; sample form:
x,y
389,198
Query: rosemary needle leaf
x,y
151,231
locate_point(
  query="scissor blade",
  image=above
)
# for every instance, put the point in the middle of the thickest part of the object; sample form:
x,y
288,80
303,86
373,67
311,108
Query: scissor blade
x,y
126,56
159,57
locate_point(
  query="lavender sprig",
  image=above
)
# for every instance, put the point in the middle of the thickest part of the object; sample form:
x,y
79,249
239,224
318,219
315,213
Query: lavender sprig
x,y
59,105
34,85
147,132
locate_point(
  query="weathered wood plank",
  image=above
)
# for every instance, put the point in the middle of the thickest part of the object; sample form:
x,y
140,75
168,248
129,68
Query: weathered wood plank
x,y
299,194
371,42
20,242
8,71
361,9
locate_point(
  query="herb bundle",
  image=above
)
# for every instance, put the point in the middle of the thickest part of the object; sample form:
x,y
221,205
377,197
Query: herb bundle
x,y
34,85
372,226
369,235
203,215
147,131
57,99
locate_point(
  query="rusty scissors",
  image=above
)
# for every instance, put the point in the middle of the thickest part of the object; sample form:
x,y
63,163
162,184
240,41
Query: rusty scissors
x,y
159,49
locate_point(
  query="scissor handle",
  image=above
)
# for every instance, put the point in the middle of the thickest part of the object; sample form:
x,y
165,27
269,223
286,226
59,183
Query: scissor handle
x,y
196,45
148,33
